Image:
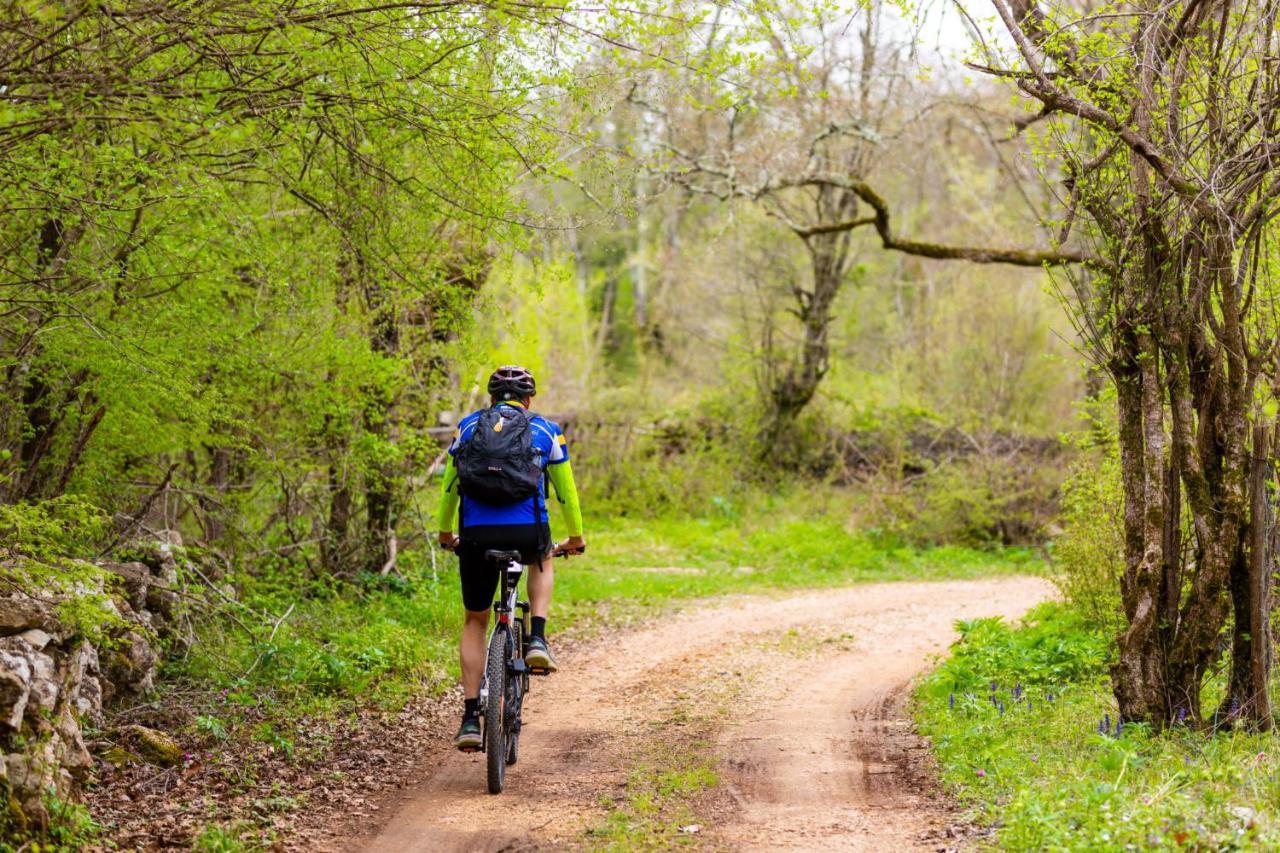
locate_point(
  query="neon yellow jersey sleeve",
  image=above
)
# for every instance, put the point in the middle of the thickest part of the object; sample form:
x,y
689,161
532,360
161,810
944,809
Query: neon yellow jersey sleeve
x,y
561,476
447,516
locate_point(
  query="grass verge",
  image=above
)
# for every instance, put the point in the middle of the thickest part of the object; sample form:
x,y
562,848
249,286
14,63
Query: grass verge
x,y
290,653
1023,722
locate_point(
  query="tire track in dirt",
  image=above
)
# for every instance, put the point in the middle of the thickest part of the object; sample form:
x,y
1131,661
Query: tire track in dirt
x,y
813,754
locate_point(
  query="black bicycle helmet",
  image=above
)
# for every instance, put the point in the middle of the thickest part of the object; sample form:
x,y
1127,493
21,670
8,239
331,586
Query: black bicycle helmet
x,y
512,382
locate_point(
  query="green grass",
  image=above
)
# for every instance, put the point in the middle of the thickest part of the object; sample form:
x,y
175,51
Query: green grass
x,y
654,810
643,566
384,641
380,642
1042,774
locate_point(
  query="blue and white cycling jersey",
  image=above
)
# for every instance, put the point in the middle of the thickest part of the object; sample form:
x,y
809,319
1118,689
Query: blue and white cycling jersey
x,y
550,447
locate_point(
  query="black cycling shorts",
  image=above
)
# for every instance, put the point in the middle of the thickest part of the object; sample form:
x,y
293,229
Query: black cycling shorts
x,y
480,576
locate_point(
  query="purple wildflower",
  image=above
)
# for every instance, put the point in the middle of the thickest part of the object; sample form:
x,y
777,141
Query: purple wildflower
x,y
981,773
1235,707
951,701
1017,691
1119,727
1181,715
1000,708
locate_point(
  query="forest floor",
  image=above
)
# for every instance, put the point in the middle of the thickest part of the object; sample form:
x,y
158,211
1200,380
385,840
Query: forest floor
x,y
747,721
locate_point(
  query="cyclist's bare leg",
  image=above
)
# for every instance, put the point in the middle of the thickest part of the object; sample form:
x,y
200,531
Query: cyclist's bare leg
x,y
541,581
474,628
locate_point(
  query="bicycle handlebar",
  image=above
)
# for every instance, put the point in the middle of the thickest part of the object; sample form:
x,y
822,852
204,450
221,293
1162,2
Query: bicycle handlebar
x,y
576,552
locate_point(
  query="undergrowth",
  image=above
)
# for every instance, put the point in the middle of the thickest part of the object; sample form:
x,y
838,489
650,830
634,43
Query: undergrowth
x,y
1026,731
381,640
286,651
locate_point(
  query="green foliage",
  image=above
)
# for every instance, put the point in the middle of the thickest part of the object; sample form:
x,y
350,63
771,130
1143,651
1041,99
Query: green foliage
x,y
44,549
1088,555
1051,648
1015,716
70,827
980,501
226,839
382,642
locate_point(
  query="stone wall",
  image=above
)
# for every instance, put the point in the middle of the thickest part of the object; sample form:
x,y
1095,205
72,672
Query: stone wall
x,y
52,682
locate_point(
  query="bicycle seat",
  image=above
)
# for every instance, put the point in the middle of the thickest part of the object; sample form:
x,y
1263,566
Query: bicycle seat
x,y
496,556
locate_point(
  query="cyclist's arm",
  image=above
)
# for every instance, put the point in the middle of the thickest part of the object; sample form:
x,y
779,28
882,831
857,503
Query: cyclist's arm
x,y
561,475
447,516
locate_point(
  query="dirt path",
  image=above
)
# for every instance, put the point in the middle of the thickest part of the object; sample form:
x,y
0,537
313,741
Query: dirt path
x,y
799,710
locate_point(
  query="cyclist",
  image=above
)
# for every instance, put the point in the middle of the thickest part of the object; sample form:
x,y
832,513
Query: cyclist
x,y
522,526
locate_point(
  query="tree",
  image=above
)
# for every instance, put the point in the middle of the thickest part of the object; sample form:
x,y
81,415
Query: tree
x,y
802,136
216,223
1165,118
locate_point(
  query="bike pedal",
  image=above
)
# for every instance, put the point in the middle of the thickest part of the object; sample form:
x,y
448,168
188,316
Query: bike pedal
x,y
539,671
469,750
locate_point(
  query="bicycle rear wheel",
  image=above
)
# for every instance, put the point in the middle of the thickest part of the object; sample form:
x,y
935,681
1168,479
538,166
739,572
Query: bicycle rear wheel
x,y
495,722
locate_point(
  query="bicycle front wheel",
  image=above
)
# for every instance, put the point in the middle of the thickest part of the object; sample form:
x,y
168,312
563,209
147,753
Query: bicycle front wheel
x,y
495,722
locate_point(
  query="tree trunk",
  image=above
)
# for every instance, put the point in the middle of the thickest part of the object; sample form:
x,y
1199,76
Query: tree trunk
x,y
1138,674
796,384
1247,694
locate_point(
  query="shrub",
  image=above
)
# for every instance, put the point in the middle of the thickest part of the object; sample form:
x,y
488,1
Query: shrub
x,y
1089,553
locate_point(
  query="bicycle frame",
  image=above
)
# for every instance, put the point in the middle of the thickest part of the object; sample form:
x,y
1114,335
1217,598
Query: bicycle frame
x,y
507,604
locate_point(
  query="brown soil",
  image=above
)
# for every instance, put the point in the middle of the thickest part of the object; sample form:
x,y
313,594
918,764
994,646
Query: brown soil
x,y
802,699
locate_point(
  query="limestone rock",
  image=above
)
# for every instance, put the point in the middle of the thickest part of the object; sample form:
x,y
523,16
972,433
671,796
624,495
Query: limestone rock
x,y
36,638
71,753
154,747
135,581
131,666
43,684
21,612
15,689
84,690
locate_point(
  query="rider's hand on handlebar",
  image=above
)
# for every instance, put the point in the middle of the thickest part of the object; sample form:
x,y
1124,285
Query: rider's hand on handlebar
x,y
572,545
448,541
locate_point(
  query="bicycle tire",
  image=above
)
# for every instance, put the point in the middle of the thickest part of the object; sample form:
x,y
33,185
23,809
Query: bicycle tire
x,y
495,724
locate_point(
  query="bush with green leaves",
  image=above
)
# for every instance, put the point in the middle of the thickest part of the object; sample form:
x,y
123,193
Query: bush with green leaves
x,y
1089,552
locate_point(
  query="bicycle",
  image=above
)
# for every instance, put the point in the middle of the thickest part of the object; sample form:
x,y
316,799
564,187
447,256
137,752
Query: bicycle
x,y
506,676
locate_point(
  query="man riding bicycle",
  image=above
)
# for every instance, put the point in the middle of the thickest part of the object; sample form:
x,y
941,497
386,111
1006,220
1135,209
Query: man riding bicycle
x,y
477,494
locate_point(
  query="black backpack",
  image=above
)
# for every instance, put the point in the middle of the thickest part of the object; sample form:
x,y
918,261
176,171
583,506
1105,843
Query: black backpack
x,y
497,464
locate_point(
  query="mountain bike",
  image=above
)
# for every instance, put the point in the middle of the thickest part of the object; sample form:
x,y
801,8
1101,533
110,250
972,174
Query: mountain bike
x,y
506,676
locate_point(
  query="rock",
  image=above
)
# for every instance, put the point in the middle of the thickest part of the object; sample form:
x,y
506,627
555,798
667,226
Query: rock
x,y
36,638
154,747
163,602
120,758
45,688
20,612
131,666
84,690
50,681
15,689
135,579
72,754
